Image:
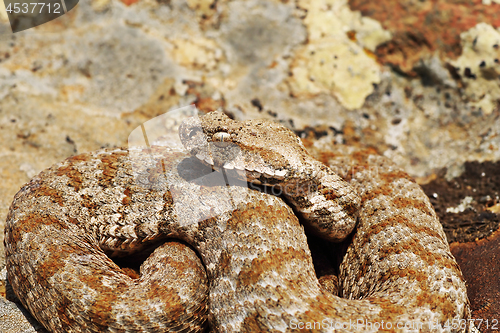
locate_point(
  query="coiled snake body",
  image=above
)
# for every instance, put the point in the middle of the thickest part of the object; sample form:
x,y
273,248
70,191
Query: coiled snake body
x,y
255,273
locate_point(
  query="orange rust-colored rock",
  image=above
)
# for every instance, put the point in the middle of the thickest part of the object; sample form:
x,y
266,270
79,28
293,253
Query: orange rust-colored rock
x,y
129,2
423,27
479,263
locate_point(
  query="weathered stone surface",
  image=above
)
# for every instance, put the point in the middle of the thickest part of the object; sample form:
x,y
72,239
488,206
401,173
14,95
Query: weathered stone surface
x,y
466,205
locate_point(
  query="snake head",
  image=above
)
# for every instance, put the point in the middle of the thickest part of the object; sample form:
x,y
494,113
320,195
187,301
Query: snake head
x,y
261,147
271,154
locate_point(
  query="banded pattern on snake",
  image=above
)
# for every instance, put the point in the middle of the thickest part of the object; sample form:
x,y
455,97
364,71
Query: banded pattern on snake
x,y
255,273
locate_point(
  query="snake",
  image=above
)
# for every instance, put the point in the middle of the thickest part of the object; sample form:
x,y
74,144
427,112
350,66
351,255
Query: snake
x,y
219,229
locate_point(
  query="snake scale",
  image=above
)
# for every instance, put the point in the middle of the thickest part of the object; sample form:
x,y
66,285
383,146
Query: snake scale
x,y
245,269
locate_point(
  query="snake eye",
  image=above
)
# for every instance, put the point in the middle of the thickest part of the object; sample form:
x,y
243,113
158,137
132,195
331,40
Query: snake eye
x,y
221,137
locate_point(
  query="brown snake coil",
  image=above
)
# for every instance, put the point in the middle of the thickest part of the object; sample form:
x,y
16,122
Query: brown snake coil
x,y
256,273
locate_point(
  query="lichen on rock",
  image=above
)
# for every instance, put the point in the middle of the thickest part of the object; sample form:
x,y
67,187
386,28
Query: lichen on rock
x,y
337,57
479,66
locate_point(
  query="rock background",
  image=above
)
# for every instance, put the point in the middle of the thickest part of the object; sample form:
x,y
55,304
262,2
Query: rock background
x,y
416,80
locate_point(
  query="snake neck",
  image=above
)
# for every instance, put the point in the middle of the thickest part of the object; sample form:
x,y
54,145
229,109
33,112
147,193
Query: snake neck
x,y
327,204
